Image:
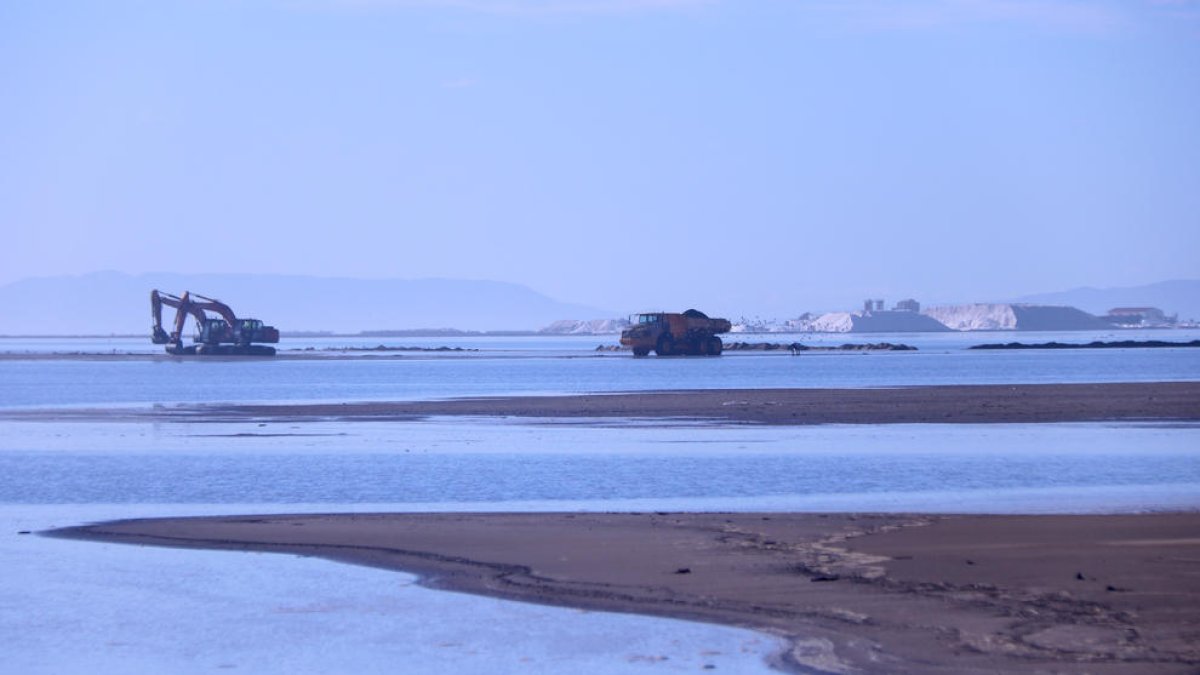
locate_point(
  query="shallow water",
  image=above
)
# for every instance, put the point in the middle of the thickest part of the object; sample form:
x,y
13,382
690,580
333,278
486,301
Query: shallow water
x,y
72,607
484,345
544,365
858,467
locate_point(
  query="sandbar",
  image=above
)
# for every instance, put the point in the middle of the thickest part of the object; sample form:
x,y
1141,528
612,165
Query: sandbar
x,y
947,404
895,593
956,404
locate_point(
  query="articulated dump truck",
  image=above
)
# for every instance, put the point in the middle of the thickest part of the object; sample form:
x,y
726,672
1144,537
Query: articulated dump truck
x,y
669,334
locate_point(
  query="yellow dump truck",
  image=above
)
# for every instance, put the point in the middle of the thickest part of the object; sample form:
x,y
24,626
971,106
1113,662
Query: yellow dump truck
x,y
669,334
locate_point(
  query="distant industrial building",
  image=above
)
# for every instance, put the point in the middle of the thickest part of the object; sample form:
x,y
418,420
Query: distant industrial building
x,y
872,306
1138,316
904,318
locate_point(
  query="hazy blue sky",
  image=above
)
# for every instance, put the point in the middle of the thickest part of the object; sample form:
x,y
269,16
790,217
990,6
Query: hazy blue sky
x,y
748,156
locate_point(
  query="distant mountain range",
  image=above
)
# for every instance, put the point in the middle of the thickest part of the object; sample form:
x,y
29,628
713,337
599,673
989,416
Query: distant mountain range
x,y
1180,297
106,303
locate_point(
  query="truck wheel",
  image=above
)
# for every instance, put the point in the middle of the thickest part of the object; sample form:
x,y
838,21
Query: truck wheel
x,y
665,346
714,346
641,351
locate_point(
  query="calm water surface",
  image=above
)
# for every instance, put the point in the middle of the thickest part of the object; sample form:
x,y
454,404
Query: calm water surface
x,y
569,365
477,464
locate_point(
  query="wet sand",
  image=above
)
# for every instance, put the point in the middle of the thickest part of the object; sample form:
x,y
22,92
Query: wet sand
x,y
930,404
956,404
852,593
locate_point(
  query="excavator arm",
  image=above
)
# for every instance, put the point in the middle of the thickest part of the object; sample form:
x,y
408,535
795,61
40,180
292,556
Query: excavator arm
x,y
214,305
157,299
182,306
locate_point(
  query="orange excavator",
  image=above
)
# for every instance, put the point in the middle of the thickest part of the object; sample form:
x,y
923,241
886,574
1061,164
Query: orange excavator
x,y
223,334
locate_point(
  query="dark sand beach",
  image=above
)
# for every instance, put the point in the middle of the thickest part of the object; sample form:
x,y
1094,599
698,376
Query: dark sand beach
x,y
851,593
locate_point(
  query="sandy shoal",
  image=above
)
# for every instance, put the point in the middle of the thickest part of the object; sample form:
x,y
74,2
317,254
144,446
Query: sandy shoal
x,y
924,404
946,404
852,593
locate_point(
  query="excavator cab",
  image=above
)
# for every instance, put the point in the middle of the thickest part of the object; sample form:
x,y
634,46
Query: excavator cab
x,y
213,331
253,330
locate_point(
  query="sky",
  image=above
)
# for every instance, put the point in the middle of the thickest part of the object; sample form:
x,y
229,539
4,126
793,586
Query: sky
x,y
746,157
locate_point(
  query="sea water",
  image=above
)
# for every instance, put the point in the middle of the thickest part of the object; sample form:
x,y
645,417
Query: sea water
x,y
485,465
548,366
73,607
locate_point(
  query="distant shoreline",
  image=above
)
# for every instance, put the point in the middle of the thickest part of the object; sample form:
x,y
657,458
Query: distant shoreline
x,y
454,332
381,350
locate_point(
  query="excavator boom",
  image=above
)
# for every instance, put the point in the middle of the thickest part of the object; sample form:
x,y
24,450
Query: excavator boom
x,y
182,306
214,305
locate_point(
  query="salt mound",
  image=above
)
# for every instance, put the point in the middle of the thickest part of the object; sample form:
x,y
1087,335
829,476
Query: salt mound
x,y
1004,316
592,327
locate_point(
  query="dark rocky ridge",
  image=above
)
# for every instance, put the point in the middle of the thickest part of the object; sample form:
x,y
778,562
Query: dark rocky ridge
x,y
794,347
1119,344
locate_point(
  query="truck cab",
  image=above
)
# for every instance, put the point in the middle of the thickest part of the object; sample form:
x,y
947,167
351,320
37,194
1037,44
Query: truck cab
x,y
668,333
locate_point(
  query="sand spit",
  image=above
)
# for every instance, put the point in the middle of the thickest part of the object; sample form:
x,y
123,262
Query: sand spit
x,y
852,593
933,404
1025,403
